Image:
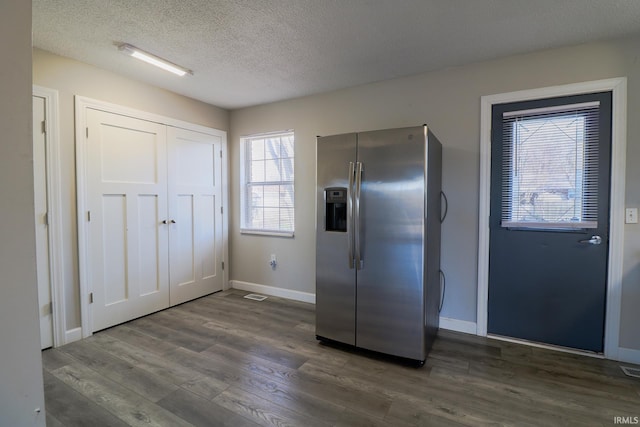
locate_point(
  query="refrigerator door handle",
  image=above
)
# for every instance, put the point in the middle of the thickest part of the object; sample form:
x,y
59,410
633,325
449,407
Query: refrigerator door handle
x,y
358,254
350,213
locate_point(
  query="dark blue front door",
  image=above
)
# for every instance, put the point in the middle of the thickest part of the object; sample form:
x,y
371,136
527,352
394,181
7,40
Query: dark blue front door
x,y
549,224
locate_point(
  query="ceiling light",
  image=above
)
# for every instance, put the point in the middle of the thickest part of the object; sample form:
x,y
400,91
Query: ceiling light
x,y
153,59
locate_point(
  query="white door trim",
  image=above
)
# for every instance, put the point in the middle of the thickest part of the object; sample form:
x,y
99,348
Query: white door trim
x,y
618,87
81,105
54,211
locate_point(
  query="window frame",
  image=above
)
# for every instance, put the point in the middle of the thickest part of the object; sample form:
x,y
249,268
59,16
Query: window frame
x,y
246,183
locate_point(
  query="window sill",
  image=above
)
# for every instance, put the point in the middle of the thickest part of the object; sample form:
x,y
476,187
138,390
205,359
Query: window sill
x,y
267,233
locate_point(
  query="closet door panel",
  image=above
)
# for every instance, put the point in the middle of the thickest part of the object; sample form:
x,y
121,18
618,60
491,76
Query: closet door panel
x,y
127,201
195,239
115,283
148,245
182,239
207,236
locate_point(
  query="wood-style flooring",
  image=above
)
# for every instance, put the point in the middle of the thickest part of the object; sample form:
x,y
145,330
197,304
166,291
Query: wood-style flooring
x,y
223,360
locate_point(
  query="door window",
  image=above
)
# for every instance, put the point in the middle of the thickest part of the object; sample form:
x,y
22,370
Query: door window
x,y
550,167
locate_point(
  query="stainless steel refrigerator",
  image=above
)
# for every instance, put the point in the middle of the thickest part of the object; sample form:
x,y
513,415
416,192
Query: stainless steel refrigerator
x,y
378,240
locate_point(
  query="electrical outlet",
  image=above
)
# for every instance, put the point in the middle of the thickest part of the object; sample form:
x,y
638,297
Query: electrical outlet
x,y
273,262
631,216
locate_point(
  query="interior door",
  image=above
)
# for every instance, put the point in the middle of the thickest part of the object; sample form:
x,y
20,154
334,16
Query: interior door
x,y
195,214
42,228
549,224
127,217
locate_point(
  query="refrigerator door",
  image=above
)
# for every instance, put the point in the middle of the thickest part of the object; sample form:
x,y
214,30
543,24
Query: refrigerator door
x,y
390,281
335,272
433,239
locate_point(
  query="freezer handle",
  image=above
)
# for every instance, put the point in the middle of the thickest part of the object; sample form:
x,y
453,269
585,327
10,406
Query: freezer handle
x,y
358,253
350,214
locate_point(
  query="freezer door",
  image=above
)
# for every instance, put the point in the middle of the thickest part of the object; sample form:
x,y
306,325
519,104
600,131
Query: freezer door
x,y
390,306
335,273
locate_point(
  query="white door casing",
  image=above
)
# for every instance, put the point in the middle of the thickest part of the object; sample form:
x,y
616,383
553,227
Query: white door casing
x,y
49,242
618,87
127,180
42,229
194,193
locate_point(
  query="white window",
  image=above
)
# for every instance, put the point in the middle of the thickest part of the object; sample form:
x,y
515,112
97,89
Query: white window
x,y
550,167
267,203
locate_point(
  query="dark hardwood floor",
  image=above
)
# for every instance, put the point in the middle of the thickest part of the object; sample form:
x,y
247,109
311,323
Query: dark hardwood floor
x,y
224,360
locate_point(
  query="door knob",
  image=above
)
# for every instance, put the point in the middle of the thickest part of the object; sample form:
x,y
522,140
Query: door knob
x,y
165,221
594,240
173,221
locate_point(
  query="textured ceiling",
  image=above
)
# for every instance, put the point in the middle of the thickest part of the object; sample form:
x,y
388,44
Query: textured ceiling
x,y
248,52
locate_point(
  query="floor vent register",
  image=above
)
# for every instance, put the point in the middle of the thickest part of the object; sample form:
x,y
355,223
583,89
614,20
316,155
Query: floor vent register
x,y
255,297
631,372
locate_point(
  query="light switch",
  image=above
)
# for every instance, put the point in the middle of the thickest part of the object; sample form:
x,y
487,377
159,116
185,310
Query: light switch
x,y
631,216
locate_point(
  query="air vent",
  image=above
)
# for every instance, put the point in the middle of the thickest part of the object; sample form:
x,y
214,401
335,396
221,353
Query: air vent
x,y
631,372
255,297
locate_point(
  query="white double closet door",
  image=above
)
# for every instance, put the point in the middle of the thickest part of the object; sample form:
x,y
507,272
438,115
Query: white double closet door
x,y
154,216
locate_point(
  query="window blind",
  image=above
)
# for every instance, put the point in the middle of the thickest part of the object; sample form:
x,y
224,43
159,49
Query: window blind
x,y
550,167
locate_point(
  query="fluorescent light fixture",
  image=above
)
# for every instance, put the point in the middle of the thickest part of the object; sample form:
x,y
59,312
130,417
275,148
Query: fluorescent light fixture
x,y
153,60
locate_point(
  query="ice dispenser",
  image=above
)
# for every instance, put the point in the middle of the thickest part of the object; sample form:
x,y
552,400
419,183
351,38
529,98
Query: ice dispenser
x,y
335,199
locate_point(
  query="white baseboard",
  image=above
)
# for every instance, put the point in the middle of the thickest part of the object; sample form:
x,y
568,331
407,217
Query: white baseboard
x,y
72,335
445,322
629,355
274,291
458,325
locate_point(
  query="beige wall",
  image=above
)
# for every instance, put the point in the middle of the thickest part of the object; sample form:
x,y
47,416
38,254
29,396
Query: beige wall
x,y
21,387
72,78
449,101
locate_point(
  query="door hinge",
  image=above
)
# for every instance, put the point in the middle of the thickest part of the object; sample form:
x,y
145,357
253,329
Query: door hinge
x,y
91,298
89,216
221,210
45,218
50,308
223,265
44,126
220,153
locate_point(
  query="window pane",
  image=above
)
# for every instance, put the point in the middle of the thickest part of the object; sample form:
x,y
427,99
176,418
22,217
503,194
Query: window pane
x,y
286,219
286,196
272,170
257,171
286,169
271,218
256,220
257,195
271,196
257,149
272,148
549,169
286,147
